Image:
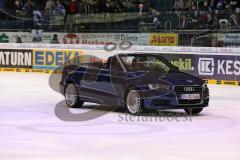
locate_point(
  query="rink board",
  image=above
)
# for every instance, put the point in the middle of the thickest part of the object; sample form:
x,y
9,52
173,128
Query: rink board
x,y
209,81
217,66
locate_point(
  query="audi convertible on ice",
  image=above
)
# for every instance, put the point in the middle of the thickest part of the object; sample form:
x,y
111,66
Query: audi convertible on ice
x,y
137,82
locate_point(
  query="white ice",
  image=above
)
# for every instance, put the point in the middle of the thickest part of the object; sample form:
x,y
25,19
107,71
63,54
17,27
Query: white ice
x,y
30,129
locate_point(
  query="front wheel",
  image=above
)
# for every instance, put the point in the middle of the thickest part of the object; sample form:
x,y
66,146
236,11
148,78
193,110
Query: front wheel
x,y
133,102
72,96
193,111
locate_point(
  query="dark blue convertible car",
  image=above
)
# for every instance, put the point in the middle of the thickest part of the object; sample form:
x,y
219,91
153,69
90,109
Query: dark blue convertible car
x,y
136,81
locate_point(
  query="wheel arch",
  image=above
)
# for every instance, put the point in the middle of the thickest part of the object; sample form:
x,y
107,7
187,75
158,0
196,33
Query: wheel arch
x,y
70,81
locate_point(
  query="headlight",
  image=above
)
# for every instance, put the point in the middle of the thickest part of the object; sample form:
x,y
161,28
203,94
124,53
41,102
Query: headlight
x,y
159,87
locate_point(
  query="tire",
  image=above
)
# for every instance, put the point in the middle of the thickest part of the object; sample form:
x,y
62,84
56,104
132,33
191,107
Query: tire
x,y
71,95
193,111
133,102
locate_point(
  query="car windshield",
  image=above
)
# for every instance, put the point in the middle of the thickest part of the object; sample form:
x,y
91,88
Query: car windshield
x,y
153,63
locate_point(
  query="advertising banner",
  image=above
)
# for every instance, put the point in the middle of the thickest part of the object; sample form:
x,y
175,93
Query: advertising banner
x,y
211,67
215,69
211,40
185,62
229,39
30,37
14,58
218,67
117,38
53,58
163,39
140,39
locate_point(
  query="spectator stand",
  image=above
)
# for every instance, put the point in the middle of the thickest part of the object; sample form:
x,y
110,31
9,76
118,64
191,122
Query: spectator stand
x,y
116,15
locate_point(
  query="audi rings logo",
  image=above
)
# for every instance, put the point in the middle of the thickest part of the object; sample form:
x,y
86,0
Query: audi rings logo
x,y
124,45
189,89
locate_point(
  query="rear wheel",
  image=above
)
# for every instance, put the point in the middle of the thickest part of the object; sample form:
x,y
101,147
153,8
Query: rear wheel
x,y
133,102
193,111
72,96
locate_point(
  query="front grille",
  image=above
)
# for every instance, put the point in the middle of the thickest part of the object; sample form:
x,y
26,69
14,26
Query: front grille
x,y
189,90
181,89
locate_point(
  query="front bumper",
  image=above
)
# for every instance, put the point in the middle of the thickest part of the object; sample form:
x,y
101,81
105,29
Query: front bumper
x,y
171,100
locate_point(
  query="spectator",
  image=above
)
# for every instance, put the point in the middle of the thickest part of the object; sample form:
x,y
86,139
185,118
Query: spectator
x,y
178,5
228,7
205,7
187,4
221,5
49,7
54,40
238,15
223,24
18,8
184,22
28,12
194,22
90,6
233,20
203,19
37,35
209,20
73,7
28,8
18,5
119,7
60,9
213,4
141,8
235,4
213,22
193,7
37,18
18,40
109,5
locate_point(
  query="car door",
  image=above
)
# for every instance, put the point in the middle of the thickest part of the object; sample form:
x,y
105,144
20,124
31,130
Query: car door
x,y
103,85
89,85
110,81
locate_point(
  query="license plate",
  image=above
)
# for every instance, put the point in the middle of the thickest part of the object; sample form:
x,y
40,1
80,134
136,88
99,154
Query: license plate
x,y
190,96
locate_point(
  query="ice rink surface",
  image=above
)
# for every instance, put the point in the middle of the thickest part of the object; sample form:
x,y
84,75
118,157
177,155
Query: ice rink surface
x,y
30,129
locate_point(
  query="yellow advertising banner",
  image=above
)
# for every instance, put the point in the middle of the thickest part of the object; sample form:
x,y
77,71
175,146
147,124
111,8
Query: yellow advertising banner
x,y
52,58
164,39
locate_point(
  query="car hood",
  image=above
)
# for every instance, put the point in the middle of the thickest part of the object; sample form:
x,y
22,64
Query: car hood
x,y
175,78
180,78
